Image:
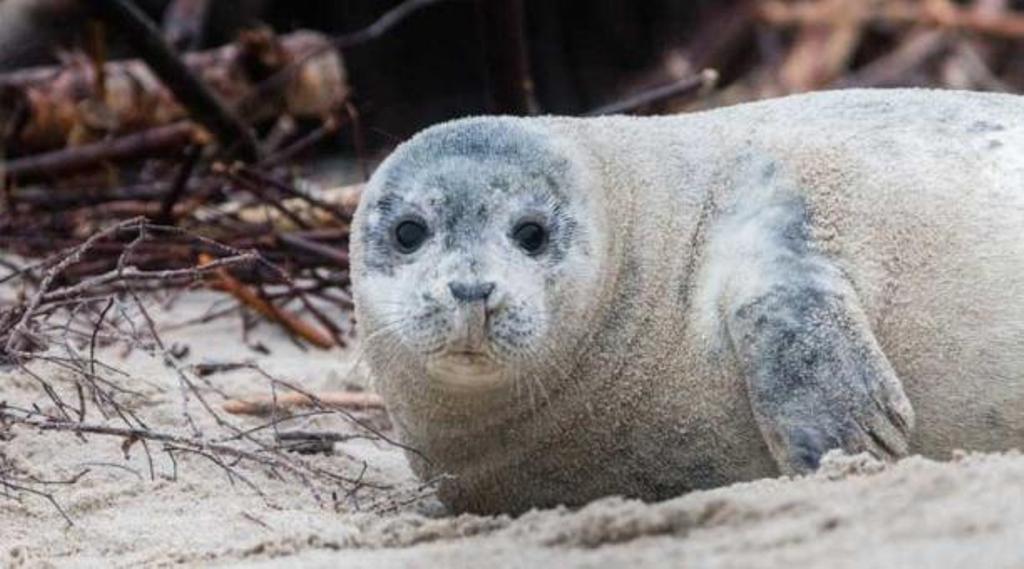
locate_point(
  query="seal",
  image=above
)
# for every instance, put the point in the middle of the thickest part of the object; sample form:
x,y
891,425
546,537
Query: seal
x,y
557,309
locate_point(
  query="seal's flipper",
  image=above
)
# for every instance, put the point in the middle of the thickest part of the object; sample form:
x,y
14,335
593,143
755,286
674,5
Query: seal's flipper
x,y
816,376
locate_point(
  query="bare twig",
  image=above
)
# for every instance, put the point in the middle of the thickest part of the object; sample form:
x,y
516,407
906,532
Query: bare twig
x,y
263,406
689,86
383,24
243,293
178,188
76,255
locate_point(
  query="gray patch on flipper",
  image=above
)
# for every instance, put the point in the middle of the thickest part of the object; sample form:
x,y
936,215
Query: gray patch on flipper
x,y
815,377
794,338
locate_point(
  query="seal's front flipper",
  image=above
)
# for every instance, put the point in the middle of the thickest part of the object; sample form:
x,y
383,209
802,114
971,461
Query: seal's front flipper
x,y
816,377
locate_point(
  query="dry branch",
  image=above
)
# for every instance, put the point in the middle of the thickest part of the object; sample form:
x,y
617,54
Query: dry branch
x,y
96,309
250,298
62,105
158,141
288,402
689,87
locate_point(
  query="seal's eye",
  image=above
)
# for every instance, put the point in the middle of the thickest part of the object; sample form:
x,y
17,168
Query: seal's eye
x,y
410,234
530,237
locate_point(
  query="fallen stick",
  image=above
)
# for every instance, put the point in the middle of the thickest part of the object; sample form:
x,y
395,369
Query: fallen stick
x,y
267,405
164,139
321,211
247,296
689,86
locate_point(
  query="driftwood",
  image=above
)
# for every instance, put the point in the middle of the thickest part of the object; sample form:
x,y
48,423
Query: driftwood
x,y
249,297
288,402
204,107
53,106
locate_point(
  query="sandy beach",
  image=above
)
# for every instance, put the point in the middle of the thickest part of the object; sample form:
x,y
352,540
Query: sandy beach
x,y
856,512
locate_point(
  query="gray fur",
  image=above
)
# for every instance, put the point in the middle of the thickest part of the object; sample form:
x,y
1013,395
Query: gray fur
x,y
727,294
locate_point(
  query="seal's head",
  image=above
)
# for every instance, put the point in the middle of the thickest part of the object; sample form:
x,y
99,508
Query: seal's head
x,y
476,253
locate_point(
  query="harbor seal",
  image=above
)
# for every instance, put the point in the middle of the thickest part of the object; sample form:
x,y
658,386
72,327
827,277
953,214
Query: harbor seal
x,y
557,309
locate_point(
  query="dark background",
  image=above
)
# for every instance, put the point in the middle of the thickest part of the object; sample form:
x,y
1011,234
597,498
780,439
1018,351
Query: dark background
x,y
445,60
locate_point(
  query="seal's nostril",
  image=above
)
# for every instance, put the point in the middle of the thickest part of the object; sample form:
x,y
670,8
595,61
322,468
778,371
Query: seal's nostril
x,y
469,292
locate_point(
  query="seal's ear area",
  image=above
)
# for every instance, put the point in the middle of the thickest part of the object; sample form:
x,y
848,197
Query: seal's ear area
x,y
816,377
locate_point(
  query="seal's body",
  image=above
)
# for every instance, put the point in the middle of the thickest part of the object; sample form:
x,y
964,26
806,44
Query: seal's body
x,y
559,309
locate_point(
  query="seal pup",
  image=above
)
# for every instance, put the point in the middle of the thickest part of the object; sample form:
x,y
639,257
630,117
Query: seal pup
x,y
557,309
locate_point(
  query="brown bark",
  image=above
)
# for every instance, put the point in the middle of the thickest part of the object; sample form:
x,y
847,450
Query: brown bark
x,y
56,106
289,402
293,324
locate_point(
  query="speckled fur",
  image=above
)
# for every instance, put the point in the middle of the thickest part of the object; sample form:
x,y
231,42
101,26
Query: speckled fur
x,y
892,220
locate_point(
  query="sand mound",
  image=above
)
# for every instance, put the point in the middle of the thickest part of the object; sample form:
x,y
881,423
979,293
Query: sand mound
x,y
855,512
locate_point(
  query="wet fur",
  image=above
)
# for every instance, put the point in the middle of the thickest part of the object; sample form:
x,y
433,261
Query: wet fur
x,y
767,277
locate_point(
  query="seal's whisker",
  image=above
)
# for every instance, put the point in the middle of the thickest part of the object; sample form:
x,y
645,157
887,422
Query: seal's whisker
x,y
362,349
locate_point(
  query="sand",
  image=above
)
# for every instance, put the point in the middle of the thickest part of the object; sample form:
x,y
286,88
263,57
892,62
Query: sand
x,y
856,512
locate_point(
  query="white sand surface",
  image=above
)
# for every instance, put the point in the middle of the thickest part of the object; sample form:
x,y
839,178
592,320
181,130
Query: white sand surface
x,y
856,512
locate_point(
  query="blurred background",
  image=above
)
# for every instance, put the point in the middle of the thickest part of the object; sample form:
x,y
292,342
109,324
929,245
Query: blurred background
x,y
445,59
234,125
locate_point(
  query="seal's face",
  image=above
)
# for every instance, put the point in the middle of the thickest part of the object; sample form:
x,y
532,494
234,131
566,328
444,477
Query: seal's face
x,y
471,250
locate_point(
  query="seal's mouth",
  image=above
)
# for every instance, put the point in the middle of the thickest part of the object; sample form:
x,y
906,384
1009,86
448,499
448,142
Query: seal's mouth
x,y
465,370
466,356
465,363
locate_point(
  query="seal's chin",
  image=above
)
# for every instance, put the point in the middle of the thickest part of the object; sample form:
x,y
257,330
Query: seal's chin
x,y
465,364
465,371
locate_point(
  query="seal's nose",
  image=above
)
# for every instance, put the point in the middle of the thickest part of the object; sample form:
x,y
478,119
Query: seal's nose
x,y
470,292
